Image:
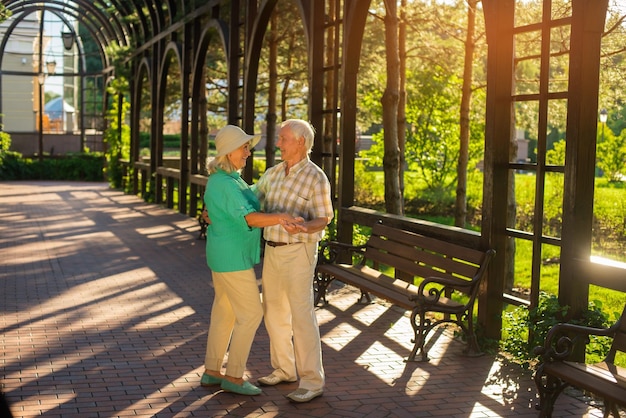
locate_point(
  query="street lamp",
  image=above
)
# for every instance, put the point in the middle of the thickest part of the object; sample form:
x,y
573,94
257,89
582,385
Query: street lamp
x,y
68,40
603,117
41,78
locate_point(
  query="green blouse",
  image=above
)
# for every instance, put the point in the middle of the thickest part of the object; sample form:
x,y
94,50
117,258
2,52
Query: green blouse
x,y
231,245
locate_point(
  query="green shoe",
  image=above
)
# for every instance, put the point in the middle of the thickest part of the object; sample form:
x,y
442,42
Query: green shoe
x,y
246,388
208,380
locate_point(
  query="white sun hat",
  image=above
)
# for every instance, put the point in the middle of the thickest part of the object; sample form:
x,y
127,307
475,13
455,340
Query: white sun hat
x,y
231,137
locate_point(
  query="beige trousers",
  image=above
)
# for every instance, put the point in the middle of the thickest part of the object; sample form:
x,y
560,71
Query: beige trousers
x,y
235,317
295,346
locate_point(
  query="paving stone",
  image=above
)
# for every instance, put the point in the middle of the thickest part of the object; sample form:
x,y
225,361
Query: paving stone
x,y
105,305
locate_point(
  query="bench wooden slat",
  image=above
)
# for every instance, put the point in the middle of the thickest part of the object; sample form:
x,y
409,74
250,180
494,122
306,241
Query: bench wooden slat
x,y
433,244
395,291
584,378
416,260
606,371
410,267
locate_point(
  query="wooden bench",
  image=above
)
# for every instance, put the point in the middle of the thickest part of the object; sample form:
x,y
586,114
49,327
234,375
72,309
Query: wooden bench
x,y
387,267
554,373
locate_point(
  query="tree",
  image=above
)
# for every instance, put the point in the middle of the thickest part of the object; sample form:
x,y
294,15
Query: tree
x,y
270,144
432,147
282,80
611,155
389,101
460,208
117,133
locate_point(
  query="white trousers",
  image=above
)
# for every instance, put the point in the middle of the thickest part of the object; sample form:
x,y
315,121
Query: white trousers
x,y
295,346
235,317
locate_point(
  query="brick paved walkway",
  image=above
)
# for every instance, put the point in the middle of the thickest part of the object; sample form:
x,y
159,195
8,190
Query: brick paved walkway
x,y
105,304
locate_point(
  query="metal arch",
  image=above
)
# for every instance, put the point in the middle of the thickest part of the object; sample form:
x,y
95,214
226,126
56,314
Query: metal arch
x,y
155,16
104,30
170,11
144,26
31,7
143,67
180,7
147,20
221,28
164,65
124,29
97,35
130,8
122,32
251,60
127,28
213,26
204,40
27,11
159,84
63,7
305,12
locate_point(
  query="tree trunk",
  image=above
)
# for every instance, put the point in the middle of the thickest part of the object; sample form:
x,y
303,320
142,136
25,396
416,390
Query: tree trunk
x,y
284,95
270,130
391,159
460,211
402,98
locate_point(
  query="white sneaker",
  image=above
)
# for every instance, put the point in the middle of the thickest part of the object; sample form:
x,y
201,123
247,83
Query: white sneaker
x,y
304,395
272,380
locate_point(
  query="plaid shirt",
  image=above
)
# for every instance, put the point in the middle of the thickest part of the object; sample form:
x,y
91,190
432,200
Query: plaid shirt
x,y
304,192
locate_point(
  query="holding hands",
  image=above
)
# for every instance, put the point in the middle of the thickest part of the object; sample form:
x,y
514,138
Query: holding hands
x,y
292,224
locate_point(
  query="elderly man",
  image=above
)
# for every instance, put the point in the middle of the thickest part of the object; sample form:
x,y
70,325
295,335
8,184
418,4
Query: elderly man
x,y
300,188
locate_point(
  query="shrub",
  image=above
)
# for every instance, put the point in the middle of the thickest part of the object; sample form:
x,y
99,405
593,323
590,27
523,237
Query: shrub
x,y
524,328
5,142
82,167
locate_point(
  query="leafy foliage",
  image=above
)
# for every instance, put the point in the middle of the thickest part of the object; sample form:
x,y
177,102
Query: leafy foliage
x,y
5,142
524,329
81,167
4,13
611,154
117,137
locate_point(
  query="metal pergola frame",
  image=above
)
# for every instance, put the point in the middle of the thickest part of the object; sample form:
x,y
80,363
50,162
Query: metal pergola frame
x,y
177,33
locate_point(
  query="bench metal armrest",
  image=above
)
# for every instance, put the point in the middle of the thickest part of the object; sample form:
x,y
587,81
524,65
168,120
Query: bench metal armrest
x,y
433,287
330,251
562,338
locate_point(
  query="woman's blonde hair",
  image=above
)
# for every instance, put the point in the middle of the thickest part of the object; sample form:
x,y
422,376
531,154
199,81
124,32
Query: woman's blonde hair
x,y
221,162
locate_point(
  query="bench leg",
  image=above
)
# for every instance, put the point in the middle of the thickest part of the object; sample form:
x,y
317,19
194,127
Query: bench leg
x,y
364,299
549,388
420,330
472,349
610,408
320,284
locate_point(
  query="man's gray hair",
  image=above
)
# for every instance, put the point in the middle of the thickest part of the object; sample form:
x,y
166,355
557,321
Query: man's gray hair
x,y
301,128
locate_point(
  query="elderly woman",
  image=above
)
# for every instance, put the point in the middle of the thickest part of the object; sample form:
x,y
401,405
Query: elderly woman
x,y
232,250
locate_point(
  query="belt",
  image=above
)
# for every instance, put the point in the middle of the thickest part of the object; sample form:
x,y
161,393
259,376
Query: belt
x,y
276,244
